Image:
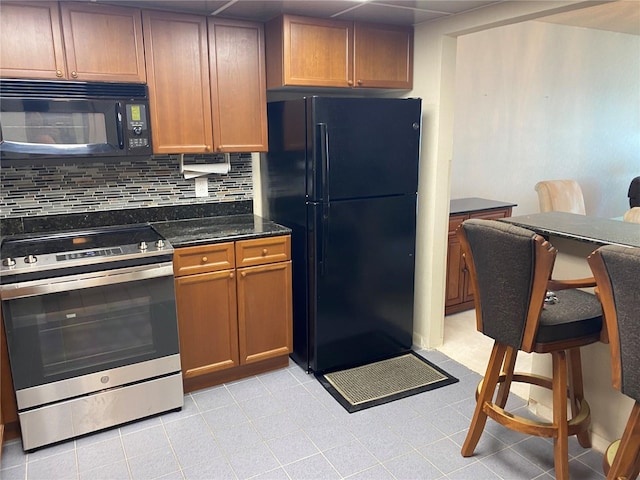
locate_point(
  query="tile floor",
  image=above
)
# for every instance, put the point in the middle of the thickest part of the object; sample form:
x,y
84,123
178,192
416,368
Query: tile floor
x,y
284,425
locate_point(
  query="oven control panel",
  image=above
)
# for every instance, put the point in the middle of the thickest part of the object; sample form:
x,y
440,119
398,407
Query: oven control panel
x,y
106,247
104,252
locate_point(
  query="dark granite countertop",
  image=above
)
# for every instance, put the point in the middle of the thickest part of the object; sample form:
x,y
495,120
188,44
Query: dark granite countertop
x,y
181,225
207,230
108,218
599,231
473,204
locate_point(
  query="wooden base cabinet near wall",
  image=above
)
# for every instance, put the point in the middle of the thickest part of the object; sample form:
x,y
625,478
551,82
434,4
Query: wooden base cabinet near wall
x,y
459,294
234,309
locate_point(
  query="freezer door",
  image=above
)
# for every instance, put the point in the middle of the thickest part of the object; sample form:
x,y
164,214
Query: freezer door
x,y
362,276
363,147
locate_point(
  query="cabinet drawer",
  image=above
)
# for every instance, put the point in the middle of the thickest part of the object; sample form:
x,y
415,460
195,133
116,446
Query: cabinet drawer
x,y
455,221
201,259
263,250
493,214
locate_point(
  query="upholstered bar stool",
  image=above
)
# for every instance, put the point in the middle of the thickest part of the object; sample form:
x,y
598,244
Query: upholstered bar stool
x,y
617,273
632,215
560,196
521,308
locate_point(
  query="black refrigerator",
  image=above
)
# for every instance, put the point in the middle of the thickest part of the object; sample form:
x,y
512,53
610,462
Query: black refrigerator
x,y
342,173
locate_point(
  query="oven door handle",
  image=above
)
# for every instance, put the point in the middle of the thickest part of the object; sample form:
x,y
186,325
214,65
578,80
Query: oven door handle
x,y
85,280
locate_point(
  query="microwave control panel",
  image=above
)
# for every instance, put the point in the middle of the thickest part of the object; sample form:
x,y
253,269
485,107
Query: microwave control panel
x,y
137,126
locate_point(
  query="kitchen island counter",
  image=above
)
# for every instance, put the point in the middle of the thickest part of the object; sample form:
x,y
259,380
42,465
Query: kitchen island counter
x,y
208,230
584,228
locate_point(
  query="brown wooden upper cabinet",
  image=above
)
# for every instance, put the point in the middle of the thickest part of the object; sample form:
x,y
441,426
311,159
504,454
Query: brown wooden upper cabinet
x,y
206,84
313,52
178,80
71,41
238,86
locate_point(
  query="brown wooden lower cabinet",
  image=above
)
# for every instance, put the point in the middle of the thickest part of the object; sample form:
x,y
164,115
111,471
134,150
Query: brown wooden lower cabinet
x,y
459,295
233,322
9,426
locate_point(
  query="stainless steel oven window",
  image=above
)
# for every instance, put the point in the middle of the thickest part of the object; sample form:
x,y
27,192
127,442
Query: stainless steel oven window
x,y
68,333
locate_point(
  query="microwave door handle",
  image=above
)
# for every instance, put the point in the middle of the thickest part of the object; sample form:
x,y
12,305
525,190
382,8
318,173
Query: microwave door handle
x,y
119,125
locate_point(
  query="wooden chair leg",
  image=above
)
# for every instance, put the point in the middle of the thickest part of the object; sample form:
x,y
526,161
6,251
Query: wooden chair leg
x,y
486,395
576,392
625,463
561,441
507,370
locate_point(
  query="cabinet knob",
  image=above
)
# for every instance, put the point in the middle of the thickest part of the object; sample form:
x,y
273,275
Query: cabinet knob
x,y
359,82
58,73
74,74
349,82
204,259
244,274
264,252
231,275
207,148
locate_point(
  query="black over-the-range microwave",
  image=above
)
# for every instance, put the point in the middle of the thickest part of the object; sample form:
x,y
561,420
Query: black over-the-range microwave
x,y
59,119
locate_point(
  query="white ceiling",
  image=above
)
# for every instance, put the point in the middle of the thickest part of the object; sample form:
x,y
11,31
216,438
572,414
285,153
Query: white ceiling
x,y
622,16
400,12
618,16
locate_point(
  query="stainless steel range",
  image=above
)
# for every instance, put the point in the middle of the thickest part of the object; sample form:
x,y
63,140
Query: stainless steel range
x,y
90,319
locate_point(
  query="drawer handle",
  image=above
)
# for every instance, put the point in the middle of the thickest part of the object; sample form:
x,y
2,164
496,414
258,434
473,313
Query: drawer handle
x,y
264,252
204,259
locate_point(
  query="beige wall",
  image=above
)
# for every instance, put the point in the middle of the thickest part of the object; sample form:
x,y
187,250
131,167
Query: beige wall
x,y
537,101
435,45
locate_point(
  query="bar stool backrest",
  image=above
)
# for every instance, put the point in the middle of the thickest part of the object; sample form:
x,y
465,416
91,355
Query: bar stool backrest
x,y
501,259
617,273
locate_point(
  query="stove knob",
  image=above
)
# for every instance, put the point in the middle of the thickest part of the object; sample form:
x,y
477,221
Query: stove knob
x,y
8,262
142,246
160,244
30,259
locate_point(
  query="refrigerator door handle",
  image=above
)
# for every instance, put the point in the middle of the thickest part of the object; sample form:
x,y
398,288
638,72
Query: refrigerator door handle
x,y
324,230
323,146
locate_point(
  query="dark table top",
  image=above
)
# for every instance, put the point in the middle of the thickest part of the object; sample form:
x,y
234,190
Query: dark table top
x,y
207,230
600,231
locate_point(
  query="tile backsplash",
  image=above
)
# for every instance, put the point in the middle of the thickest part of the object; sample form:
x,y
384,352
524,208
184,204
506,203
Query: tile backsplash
x,y
51,189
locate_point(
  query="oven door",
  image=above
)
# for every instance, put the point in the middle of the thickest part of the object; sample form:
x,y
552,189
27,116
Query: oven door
x,y
67,332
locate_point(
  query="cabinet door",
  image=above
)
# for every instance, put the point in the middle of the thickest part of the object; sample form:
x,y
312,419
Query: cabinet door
x,y
309,52
2,362
207,322
8,403
264,311
486,215
114,32
455,288
383,56
31,41
238,86
178,79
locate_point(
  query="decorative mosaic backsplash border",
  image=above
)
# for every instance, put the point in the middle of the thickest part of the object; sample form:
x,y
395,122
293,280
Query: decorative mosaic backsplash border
x,y
46,189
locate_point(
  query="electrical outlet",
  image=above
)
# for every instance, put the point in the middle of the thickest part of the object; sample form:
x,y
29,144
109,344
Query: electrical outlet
x,y
202,187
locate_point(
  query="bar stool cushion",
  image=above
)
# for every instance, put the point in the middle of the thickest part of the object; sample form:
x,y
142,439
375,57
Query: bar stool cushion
x,y
576,314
